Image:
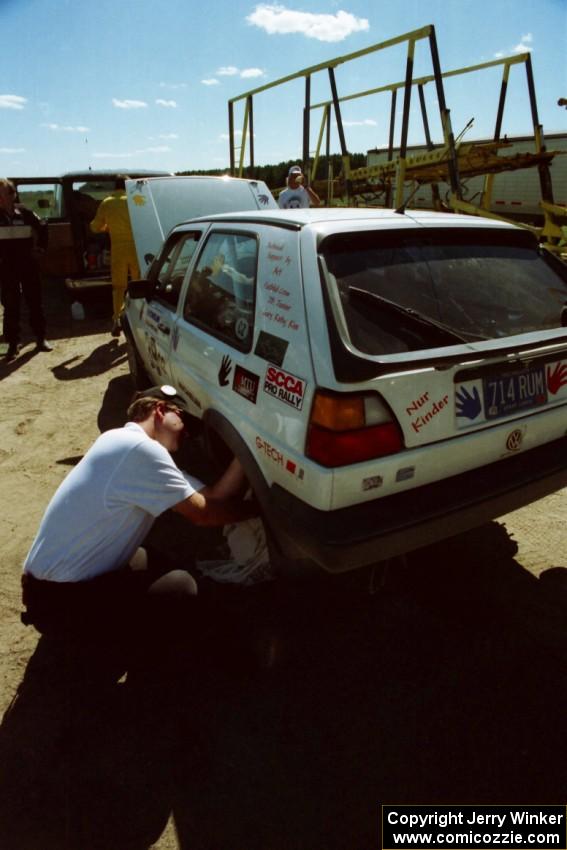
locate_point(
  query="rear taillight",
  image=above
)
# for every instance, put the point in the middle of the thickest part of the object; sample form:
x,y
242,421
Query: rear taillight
x,y
347,428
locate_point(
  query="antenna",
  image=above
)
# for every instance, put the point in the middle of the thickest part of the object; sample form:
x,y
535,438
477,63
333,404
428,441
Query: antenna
x,y
464,130
402,208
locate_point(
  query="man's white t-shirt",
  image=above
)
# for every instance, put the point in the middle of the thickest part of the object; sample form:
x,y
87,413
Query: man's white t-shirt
x,y
294,199
106,505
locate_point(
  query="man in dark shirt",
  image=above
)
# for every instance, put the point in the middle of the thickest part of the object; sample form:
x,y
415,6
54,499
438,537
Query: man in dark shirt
x,y
22,233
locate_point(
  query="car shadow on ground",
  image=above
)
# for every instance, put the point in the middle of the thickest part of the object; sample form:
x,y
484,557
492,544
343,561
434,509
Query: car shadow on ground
x,y
445,685
103,358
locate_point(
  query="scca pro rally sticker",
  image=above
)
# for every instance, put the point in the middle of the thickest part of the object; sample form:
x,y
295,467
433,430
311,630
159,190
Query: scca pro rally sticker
x,y
287,388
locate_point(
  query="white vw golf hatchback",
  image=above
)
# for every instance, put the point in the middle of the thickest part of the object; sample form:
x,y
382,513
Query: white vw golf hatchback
x,y
386,379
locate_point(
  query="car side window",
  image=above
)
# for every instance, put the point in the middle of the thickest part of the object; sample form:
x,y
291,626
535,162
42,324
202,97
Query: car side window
x,y
173,264
44,199
220,296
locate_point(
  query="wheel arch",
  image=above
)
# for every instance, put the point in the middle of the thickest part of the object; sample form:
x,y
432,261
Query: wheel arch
x,y
216,424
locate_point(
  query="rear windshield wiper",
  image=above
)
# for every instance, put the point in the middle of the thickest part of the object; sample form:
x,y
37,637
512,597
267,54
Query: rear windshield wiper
x,y
443,332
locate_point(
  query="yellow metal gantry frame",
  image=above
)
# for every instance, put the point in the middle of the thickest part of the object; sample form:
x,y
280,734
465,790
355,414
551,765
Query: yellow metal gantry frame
x,y
410,39
447,163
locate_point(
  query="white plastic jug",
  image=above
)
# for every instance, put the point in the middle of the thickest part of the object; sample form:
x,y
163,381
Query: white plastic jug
x,y
77,310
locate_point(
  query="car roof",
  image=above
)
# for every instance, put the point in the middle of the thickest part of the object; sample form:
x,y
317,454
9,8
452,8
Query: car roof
x,y
298,219
96,175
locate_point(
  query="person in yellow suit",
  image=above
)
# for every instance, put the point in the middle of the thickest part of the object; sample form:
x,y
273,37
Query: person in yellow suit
x,y
112,217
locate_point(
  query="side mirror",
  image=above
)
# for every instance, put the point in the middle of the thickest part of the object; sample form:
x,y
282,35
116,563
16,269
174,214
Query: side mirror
x,y
140,288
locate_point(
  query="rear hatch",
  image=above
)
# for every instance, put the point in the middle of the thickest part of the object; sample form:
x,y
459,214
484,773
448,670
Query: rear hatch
x,y
157,205
452,338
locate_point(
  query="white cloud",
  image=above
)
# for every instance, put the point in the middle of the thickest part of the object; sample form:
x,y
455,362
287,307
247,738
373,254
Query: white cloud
x,y
12,101
170,104
251,72
66,128
130,154
12,150
129,104
173,86
276,19
168,136
227,71
367,122
523,46
210,82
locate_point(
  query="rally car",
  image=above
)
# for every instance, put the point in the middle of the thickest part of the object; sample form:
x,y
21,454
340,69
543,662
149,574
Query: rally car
x,y
386,379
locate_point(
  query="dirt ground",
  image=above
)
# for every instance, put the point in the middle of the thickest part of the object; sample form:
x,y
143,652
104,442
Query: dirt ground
x,y
54,406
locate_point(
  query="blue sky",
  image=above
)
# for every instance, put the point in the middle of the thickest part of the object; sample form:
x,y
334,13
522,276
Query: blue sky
x,y
139,84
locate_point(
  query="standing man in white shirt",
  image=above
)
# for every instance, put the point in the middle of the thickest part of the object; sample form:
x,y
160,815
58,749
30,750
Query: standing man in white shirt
x,y
297,195
79,580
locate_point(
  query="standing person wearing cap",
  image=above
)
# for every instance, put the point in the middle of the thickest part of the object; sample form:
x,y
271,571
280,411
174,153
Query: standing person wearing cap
x,y
113,217
297,195
82,576
22,235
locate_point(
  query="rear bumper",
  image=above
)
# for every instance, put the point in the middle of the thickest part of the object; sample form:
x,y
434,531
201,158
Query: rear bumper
x,y
359,535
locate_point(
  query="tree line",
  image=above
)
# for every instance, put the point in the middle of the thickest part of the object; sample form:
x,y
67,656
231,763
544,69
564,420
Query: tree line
x,y
274,176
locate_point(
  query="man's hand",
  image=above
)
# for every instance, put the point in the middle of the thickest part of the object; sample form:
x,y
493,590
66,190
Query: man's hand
x,y
216,512
229,485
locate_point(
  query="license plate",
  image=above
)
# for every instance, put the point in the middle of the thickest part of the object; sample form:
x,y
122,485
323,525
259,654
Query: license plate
x,y
505,394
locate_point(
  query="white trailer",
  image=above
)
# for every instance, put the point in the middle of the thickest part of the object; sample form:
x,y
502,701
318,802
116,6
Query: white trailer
x,y
515,194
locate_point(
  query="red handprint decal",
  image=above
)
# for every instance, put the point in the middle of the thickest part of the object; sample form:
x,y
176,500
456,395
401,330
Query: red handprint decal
x,y
557,378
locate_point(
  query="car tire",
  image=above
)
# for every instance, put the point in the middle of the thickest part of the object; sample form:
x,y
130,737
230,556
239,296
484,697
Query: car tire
x,y
138,374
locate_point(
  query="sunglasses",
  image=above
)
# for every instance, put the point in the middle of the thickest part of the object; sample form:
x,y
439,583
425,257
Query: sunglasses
x,y
185,417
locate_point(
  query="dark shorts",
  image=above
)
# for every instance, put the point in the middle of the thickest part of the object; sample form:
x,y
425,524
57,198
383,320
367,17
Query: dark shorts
x,y
123,611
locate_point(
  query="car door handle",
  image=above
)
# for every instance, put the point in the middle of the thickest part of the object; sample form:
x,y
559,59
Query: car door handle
x,y
164,329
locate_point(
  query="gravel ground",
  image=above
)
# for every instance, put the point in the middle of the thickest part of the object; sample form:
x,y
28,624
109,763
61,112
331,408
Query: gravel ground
x,y
54,406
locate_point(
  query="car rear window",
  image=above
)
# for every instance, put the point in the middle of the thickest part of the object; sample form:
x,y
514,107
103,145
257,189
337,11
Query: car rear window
x,y
410,291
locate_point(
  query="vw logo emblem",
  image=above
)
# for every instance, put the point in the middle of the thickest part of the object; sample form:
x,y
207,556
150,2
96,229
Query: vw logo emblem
x,y
514,441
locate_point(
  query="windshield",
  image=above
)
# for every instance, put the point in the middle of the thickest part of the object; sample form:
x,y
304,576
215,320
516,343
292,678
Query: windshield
x,y
480,284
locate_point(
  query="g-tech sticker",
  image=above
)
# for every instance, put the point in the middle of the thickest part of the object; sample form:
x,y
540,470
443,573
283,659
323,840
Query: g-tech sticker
x,y
278,458
271,348
245,383
285,387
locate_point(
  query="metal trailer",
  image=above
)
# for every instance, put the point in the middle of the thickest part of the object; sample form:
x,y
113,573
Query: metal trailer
x,y
516,195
